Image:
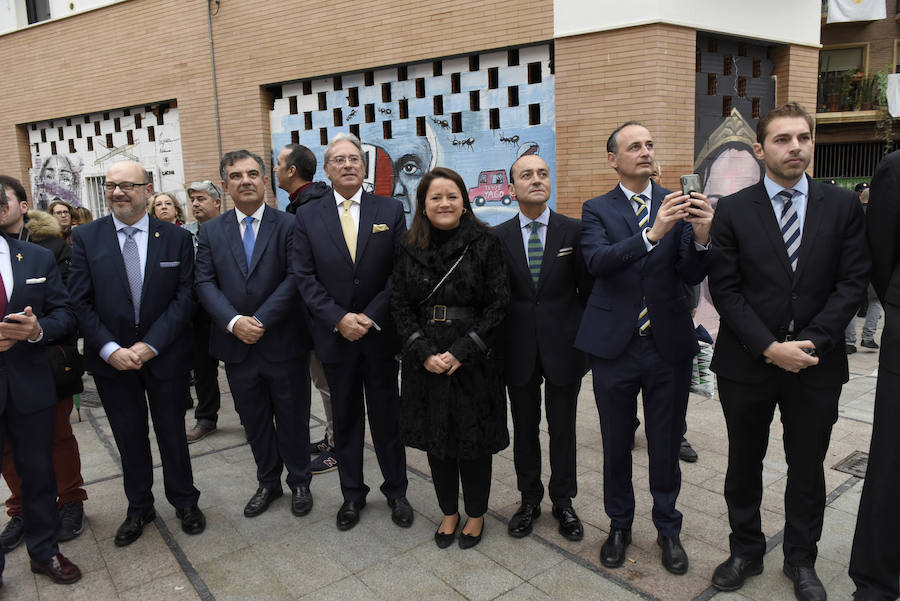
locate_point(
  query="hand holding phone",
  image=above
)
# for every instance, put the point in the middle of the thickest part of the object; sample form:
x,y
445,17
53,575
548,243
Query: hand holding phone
x,y
7,319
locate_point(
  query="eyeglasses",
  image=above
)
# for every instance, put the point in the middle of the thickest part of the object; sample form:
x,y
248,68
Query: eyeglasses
x,y
123,186
340,161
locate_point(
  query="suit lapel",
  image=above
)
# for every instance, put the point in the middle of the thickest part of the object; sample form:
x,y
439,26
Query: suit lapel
x,y
811,224
511,234
624,207
235,242
657,196
112,241
332,224
552,242
769,224
368,209
266,228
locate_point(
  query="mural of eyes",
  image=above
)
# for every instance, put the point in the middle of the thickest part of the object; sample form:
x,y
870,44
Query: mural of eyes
x,y
409,167
66,178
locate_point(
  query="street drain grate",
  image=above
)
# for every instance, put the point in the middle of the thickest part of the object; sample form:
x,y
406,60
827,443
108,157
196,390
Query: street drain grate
x,y
89,398
853,464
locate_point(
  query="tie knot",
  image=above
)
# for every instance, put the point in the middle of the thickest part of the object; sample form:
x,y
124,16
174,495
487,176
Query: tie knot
x,y
640,199
130,231
347,204
248,220
786,194
534,226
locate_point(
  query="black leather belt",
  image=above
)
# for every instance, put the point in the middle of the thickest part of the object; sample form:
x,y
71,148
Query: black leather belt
x,y
440,313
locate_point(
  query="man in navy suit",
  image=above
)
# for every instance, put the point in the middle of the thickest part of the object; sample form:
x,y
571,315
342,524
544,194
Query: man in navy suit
x,y
35,310
343,257
642,243
549,284
259,329
130,282
790,267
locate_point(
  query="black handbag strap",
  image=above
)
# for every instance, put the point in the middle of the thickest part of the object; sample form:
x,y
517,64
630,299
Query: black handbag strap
x,y
446,275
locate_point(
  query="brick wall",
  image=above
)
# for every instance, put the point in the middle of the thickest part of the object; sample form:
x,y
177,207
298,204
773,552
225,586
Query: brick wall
x,y
797,71
603,79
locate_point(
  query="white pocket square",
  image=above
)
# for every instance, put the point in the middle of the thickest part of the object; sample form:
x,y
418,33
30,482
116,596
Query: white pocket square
x,y
35,280
565,251
169,263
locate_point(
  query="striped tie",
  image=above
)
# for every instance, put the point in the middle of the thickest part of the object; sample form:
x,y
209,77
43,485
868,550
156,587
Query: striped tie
x,y
643,215
642,211
790,227
535,252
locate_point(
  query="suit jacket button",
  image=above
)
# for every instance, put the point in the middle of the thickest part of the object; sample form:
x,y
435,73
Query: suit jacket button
x,y
793,297
356,282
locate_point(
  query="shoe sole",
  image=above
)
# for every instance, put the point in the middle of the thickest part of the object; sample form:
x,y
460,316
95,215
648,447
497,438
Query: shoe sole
x,y
571,537
729,589
199,438
325,471
54,580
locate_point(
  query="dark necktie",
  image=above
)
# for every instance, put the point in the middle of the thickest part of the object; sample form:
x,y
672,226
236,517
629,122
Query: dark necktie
x,y
535,252
643,215
132,259
790,227
249,239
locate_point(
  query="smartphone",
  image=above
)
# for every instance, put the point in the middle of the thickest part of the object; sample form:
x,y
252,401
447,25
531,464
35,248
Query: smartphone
x,y
7,320
690,183
809,351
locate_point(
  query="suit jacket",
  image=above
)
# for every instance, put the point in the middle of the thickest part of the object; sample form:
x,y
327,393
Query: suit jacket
x,y
30,381
626,275
226,287
757,294
542,321
332,285
100,294
883,220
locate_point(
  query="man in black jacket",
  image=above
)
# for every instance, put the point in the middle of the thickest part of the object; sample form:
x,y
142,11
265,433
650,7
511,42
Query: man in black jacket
x,y
294,170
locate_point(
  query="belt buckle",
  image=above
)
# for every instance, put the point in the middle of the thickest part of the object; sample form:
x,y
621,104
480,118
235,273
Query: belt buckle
x,y
439,313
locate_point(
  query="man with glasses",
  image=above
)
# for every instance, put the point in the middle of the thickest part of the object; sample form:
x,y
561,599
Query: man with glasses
x,y
130,282
206,203
343,256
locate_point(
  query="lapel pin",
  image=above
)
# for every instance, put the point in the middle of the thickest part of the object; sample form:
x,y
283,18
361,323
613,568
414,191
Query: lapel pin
x,y
156,234
19,256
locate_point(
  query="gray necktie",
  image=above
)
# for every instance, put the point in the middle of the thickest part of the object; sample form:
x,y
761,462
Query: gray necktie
x,y
132,259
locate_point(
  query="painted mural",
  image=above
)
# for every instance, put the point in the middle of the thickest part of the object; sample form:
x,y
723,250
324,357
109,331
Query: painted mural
x,y
70,155
474,114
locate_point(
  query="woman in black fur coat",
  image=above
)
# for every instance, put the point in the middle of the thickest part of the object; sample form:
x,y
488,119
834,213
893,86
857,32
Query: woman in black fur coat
x,y
452,401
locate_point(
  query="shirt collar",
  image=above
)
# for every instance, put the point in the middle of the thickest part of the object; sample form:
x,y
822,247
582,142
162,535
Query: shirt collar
x,y
257,214
4,246
143,224
357,197
772,189
648,191
543,219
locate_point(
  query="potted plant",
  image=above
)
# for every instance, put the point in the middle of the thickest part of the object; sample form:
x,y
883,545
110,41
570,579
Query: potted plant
x,y
866,94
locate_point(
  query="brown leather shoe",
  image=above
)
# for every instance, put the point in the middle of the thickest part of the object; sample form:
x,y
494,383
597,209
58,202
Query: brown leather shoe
x,y
58,569
199,432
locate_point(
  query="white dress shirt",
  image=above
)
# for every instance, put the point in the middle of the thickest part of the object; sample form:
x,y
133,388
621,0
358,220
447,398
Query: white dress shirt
x,y
801,195
257,219
525,227
354,208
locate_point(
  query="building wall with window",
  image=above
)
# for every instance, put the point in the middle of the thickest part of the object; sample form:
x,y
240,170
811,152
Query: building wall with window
x,y
140,53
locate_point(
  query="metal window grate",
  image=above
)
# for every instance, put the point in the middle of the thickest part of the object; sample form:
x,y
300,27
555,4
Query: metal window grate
x,y
854,464
857,159
94,197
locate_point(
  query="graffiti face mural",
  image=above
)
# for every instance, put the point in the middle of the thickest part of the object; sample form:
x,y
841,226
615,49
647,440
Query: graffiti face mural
x,y
396,167
57,179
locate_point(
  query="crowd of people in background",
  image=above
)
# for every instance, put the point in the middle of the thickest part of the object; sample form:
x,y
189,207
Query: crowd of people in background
x,y
433,332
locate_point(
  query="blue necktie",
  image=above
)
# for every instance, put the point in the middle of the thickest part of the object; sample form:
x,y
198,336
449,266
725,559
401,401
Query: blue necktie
x,y
249,239
535,252
790,227
132,260
643,215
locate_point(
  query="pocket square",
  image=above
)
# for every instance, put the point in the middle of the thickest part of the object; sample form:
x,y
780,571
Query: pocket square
x,y
565,251
169,263
379,227
35,280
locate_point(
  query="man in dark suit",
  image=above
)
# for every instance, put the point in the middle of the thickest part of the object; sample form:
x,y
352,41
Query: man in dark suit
x,y
35,310
642,243
875,559
789,269
259,330
130,282
549,284
343,257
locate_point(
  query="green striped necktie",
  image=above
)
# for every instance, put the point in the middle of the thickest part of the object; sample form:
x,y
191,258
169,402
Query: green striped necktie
x,y
535,252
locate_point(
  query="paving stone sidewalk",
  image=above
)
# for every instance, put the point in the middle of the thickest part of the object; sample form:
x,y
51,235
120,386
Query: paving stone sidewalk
x,y
277,557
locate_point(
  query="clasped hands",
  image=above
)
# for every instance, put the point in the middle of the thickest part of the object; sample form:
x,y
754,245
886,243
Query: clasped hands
x,y
19,327
354,326
134,357
790,355
445,363
694,209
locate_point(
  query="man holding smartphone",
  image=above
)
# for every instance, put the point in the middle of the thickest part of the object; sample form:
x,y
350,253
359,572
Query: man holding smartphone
x,y
643,244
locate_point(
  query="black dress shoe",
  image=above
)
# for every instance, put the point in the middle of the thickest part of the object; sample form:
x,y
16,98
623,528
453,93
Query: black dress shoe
x,y
132,527
523,519
569,524
443,539
674,557
13,534
260,501
807,586
467,541
401,512
731,573
612,553
686,452
192,520
301,501
58,569
348,514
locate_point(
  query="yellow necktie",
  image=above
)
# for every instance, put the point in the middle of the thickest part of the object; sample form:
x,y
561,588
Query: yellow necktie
x,y
349,228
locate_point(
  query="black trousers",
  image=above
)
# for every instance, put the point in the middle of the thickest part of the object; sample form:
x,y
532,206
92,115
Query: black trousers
x,y
807,415
272,399
126,398
560,404
875,558
665,387
376,375
206,372
31,437
475,475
